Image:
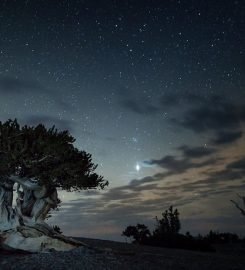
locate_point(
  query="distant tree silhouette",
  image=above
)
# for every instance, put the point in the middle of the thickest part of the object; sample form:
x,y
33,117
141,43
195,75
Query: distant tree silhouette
x,y
166,234
169,224
140,233
214,237
242,209
131,231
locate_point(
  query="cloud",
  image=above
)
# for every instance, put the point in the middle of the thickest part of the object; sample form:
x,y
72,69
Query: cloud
x,y
141,107
205,114
117,211
177,165
237,165
136,183
126,205
119,194
141,199
232,172
171,163
196,152
227,137
11,85
213,118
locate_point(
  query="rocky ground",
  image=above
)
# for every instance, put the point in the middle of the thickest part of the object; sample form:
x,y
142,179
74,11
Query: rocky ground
x,y
115,255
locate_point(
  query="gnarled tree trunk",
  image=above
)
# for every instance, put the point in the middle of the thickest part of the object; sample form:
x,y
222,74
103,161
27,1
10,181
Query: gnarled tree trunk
x,y
23,227
8,216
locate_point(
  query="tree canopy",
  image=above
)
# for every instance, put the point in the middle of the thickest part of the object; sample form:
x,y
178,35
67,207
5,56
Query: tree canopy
x,y
47,156
140,233
169,224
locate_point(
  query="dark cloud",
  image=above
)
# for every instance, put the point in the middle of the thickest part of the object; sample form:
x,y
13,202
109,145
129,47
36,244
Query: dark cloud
x,y
48,121
127,192
237,165
213,117
136,183
232,172
227,137
204,114
176,165
226,175
171,163
196,152
139,107
11,85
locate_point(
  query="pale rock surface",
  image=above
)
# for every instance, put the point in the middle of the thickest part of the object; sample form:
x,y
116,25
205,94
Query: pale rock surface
x,y
34,240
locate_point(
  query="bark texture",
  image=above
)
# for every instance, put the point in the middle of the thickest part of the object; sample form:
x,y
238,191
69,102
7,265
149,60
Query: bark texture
x,y
24,227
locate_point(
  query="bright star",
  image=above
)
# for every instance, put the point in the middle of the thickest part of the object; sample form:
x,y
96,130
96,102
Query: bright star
x,y
137,167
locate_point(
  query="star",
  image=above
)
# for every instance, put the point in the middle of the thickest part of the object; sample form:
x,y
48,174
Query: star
x,y
137,167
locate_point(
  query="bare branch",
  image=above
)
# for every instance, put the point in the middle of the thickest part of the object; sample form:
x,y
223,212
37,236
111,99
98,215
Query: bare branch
x,y
25,182
41,159
238,207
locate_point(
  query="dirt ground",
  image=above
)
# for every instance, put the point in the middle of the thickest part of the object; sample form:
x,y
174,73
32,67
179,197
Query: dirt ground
x,y
115,255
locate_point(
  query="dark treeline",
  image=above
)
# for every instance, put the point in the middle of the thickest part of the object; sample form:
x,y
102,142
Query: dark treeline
x,y
166,234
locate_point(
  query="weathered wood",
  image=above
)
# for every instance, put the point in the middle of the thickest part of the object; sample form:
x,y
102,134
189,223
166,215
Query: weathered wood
x,y
30,239
23,227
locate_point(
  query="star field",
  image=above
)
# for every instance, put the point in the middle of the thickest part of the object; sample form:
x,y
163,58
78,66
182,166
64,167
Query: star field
x,y
154,90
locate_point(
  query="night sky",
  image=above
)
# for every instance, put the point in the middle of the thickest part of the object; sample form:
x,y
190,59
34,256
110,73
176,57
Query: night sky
x,y
154,90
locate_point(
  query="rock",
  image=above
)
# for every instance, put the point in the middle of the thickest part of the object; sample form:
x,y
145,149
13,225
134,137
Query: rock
x,y
33,239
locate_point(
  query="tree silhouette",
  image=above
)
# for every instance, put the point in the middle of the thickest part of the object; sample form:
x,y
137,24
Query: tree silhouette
x,y
169,224
139,233
166,228
166,234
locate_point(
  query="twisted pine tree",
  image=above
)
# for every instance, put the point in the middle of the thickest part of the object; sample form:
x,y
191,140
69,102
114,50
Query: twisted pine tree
x,y
39,160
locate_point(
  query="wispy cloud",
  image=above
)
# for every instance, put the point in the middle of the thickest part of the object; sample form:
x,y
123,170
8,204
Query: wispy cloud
x,y
226,137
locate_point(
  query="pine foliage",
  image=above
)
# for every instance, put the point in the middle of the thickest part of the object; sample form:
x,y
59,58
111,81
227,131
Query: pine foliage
x,y
46,155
